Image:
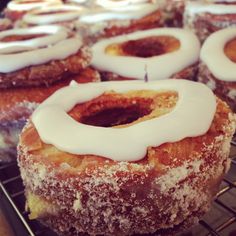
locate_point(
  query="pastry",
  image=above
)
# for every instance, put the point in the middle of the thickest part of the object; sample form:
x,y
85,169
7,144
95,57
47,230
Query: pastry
x,y
125,158
146,53
64,15
117,19
17,8
218,64
59,55
205,18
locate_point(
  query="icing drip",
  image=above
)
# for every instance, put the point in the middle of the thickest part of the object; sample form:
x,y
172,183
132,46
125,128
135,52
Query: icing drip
x,y
19,6
133,67
54,14
193,8
192,116
128,12
213,55
54,46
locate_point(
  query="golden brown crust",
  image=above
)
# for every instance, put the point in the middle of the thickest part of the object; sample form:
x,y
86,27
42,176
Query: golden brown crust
x,y
171,186
47,73
119,27
150,21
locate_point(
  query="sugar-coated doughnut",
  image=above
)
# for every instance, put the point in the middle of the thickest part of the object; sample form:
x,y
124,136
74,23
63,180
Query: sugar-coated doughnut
x,y
124,158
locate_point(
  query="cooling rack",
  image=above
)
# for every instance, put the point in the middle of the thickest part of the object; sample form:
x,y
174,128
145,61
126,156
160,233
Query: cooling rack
x,y
220,221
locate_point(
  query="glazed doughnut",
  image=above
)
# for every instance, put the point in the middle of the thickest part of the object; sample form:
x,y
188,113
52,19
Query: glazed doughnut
x,y
17,8
119,158
218,64
65,15
58,56
134,55
204,18
103,22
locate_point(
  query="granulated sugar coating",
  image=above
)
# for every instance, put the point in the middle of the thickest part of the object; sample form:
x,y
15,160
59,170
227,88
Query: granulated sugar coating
x,y
162,194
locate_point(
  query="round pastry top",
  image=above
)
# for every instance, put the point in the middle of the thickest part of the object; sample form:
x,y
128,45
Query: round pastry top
x,y
191,117
193,8
127,12
26,5
133,55
53,14
18,47
218,53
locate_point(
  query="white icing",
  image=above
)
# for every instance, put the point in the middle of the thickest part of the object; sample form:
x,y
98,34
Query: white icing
x,y
213,55
16,5
55,34
128,12
77,1
53,47
133,67
122,3
191,117
193,8
71,13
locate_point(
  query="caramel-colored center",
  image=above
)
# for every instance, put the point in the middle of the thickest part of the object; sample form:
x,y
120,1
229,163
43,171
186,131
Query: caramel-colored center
x,y
12,38
230,50
113,110
145,47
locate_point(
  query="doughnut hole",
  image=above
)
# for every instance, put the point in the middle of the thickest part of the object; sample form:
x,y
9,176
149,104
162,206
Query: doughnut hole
x,y
145,47
119,110
230,50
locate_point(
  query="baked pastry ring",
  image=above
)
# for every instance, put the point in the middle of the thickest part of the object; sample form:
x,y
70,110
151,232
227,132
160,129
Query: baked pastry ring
x,y
59,55
16,9
101,22
218,65
204,18
114,168
65,15
134,55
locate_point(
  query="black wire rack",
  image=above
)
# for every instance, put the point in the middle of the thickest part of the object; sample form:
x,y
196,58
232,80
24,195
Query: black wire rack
x,y
220,221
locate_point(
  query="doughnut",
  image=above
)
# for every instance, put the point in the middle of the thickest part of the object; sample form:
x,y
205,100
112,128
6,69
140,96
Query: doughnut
x,y
119,158
142,53
204,18
104,22
16,9
59,55
65,15
218,64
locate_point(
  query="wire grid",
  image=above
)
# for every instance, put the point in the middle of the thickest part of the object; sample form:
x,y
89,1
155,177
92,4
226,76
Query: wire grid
x,y
13,190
